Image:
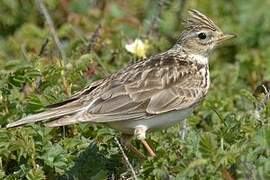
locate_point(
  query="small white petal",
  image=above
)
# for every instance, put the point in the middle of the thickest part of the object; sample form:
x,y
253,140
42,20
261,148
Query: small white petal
x,y
138,48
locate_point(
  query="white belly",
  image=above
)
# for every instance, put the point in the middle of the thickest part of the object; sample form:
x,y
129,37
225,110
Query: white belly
x,y
152,123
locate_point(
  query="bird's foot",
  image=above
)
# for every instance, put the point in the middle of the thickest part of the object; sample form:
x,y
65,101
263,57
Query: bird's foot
x,y
140,133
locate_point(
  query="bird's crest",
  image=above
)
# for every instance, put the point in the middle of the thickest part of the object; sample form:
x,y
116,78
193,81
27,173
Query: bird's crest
x,y
199,20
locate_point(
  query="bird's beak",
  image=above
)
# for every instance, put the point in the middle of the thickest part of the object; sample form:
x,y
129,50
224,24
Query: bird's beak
x,y
226,36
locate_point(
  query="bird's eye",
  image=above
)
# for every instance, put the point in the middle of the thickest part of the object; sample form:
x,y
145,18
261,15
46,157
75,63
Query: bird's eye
x,y
202,35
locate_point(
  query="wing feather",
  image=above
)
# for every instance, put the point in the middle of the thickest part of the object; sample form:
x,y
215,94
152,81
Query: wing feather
x,y
157,88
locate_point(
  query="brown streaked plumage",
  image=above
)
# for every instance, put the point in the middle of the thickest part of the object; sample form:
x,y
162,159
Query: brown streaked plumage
x,y
148,95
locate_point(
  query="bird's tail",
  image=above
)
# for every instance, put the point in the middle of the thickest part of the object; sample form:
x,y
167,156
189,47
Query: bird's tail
x,y
45,116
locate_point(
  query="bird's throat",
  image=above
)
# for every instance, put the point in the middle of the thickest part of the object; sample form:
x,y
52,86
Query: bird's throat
x,y
200,59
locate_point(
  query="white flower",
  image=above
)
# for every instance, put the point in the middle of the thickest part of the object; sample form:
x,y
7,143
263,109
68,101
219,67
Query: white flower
x,y
138,48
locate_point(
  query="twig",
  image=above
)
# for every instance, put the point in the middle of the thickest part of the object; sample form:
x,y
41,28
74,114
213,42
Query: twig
x,y
217,113
126,159
50,23
154,23
94,38
184,129
63,60
44,45
182,6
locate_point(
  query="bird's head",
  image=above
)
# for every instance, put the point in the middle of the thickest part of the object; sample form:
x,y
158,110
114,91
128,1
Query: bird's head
x,y
201,34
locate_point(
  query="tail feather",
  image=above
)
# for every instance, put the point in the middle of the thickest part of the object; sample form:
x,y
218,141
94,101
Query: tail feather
x,y
46,115
66,120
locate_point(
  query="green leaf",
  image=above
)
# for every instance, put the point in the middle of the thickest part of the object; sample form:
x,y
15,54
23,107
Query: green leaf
x,y
208,145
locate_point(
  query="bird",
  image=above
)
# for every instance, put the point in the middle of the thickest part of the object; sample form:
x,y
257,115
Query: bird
x,y
148,95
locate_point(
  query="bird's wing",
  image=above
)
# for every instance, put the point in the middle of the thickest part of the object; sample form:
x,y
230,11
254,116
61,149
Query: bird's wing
x,y
164,83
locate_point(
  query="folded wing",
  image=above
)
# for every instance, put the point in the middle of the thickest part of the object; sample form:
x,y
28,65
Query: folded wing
x,y
150,88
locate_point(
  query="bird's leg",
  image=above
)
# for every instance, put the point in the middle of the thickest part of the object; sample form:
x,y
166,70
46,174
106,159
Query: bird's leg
x,y
125,140
140,134
148,148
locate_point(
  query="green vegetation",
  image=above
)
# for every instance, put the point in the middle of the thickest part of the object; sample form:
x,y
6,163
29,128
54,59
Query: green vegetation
x,y
225,138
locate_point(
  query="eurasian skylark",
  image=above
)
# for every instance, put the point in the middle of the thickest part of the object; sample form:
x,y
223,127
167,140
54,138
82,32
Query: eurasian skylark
x,y
148,95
